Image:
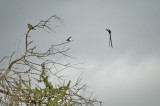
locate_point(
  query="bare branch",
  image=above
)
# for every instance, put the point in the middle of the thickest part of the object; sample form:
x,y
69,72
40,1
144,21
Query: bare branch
x,y
26,79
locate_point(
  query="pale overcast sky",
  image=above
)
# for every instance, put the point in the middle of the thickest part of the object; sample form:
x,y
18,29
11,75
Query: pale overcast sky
x,y
127,74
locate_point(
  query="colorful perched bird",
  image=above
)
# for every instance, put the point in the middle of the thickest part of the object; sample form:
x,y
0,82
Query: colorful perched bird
x,y
31,27
110,40
69,39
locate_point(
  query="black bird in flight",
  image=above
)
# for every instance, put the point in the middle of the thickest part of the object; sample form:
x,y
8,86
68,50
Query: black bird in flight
x,y
110,40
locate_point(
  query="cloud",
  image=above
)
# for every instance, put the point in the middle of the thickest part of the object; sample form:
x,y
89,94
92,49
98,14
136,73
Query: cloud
x,y
125,82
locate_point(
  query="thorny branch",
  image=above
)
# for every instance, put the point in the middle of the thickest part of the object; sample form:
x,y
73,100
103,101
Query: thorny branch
x,y
18,82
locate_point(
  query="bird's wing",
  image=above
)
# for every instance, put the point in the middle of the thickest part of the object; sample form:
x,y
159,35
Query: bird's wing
x,y
107,29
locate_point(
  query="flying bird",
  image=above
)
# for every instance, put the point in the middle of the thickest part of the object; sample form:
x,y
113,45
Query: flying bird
x,y
69,39
31,27
110,39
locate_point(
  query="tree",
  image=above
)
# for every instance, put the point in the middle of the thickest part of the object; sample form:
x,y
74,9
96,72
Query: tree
x,y
25,81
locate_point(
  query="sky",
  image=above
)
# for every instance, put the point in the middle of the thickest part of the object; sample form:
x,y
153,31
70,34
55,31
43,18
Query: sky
x,y
127,74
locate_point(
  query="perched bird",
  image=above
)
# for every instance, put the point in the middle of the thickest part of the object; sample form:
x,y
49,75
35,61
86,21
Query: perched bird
x,y
110,40
31,27
69,39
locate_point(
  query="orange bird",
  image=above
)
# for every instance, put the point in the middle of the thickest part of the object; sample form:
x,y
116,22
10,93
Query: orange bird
x,y
31,27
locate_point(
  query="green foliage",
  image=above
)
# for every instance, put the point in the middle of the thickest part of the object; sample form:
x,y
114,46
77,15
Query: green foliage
x,y
52,96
